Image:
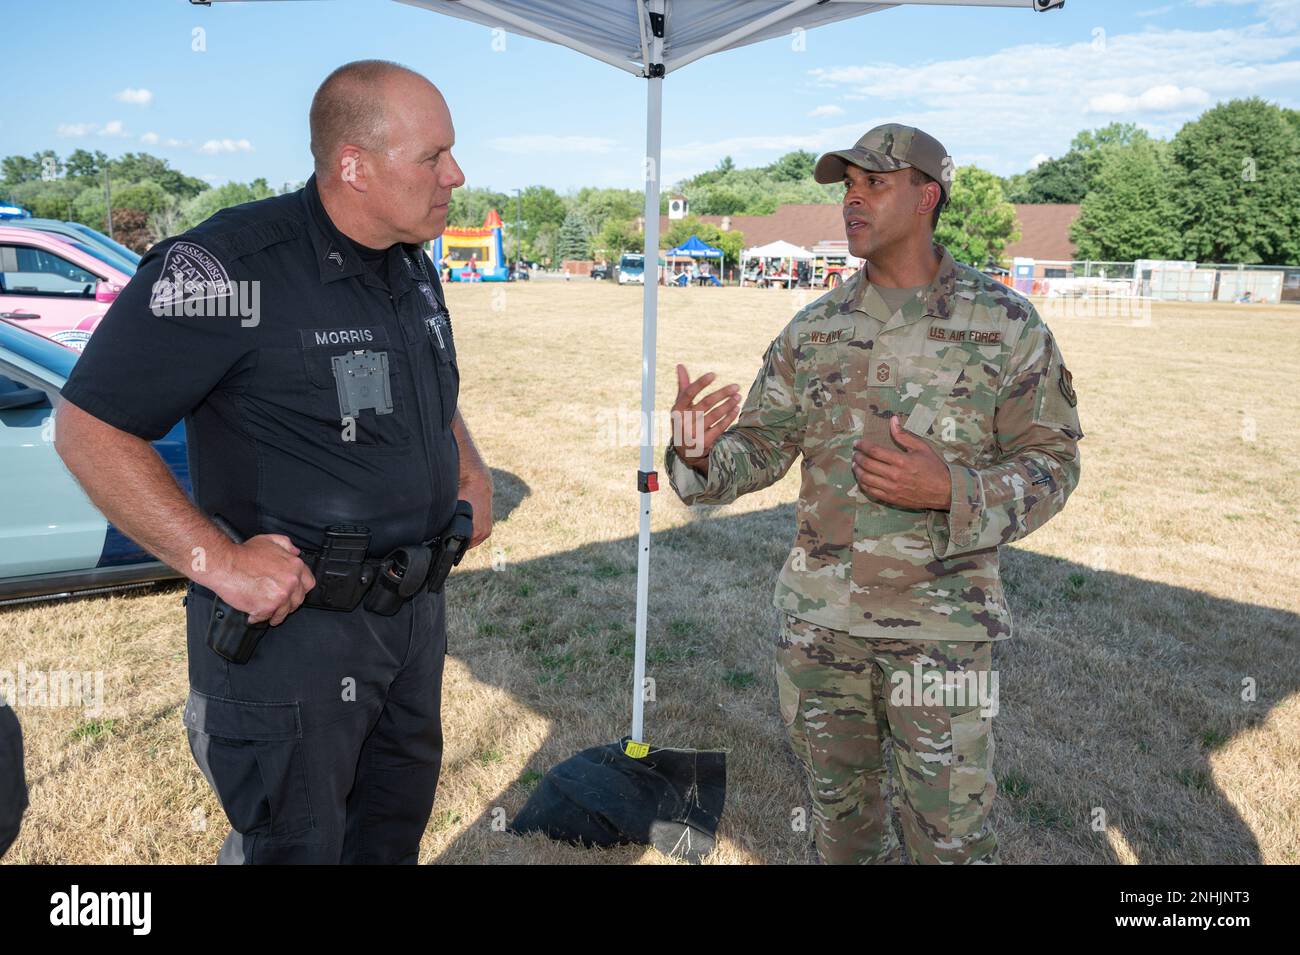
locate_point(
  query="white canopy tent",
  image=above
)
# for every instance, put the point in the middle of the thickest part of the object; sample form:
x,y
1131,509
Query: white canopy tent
x,y
787,252
780,249
650,39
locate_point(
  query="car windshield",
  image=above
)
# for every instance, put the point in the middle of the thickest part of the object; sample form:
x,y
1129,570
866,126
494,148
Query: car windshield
x,y
122,251
103,255
632,263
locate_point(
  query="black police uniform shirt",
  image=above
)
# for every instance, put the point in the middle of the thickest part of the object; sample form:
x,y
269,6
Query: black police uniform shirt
x,y
289,424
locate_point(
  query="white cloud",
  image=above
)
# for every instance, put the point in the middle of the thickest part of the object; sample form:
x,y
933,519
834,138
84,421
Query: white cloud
x,y
1157,98
547,143
1033,98
830,109
113,127
1282,14
707,149
135,97
153,139
1038,159
215,146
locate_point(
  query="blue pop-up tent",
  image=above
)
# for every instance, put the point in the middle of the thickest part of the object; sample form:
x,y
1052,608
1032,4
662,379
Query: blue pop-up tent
x,y
696,249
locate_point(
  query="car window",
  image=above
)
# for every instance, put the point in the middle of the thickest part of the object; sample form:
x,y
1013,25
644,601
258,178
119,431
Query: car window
x,y
130,255
15,394
25,270
108,258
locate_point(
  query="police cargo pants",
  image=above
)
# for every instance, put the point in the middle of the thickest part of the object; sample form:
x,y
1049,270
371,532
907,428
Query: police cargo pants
x,y
325,747
842,696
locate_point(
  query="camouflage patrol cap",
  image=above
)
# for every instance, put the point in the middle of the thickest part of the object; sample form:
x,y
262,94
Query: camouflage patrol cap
x,y
887,148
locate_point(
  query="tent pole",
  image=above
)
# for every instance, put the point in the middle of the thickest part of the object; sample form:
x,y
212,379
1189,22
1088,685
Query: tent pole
x,y
653,130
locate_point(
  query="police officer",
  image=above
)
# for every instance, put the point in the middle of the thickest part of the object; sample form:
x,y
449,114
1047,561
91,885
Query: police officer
x,y
305,341
936,420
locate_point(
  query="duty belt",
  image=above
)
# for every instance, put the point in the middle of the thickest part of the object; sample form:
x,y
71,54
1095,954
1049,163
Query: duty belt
x,y
346,573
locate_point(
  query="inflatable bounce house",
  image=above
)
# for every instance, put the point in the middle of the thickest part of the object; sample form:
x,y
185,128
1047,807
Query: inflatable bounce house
x,y
482,247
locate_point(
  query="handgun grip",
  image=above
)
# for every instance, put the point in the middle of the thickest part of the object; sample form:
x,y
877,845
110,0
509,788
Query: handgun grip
x,y
230,635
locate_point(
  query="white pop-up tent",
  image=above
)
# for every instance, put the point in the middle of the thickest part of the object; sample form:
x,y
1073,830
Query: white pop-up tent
x,y
787,252
650,39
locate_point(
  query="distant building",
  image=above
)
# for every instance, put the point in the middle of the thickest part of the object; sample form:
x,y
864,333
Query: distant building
x,y
1044,231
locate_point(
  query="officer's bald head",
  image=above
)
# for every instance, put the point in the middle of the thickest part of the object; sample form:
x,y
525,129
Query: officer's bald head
x,y
381,137
354,107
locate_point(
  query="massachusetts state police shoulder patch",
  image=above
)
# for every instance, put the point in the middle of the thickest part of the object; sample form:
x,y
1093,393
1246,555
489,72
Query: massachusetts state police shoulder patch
x,y
189,273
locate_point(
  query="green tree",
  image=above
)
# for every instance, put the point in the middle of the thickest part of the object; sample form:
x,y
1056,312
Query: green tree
x,y
978,223
469,206
208,203
1070,177
793,167
1015,188
138,167
88,206
18,169
616,237
542,208
727,190
1293,117
542,246
82,163
1129,213
164,222
146,196
596,206
573,241
48,200
719,201
1238,184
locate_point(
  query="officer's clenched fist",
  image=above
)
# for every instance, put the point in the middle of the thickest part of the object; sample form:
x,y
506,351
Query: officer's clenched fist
x,y
697,424
266,578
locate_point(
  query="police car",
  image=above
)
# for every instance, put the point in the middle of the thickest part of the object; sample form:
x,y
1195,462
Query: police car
x,y
53,542
54,285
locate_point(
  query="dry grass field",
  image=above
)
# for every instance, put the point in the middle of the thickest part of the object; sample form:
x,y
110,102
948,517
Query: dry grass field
x,y
1168,585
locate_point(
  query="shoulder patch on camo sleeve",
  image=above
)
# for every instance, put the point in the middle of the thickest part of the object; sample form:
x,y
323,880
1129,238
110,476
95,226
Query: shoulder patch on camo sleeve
x,y
1066,381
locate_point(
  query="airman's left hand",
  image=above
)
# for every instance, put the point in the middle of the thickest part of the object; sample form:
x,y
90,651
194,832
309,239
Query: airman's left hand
x,y
915,477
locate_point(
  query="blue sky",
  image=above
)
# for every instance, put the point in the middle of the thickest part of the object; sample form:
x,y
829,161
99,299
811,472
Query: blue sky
x,y
1001,88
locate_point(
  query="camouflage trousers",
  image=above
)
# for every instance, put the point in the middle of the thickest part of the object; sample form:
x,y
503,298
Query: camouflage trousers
x,y
842,696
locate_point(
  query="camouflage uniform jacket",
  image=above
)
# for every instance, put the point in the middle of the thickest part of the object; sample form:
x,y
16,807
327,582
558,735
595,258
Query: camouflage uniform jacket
x,y
975,372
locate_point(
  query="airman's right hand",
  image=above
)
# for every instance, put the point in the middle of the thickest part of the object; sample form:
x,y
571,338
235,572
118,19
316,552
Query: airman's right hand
x,y
697,424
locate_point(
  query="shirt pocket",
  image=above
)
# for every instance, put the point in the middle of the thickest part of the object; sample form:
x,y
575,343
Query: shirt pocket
x,y
949,397
443,343
356,394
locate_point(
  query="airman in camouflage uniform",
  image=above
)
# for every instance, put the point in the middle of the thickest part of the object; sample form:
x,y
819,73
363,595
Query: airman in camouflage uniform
x,y
879,600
